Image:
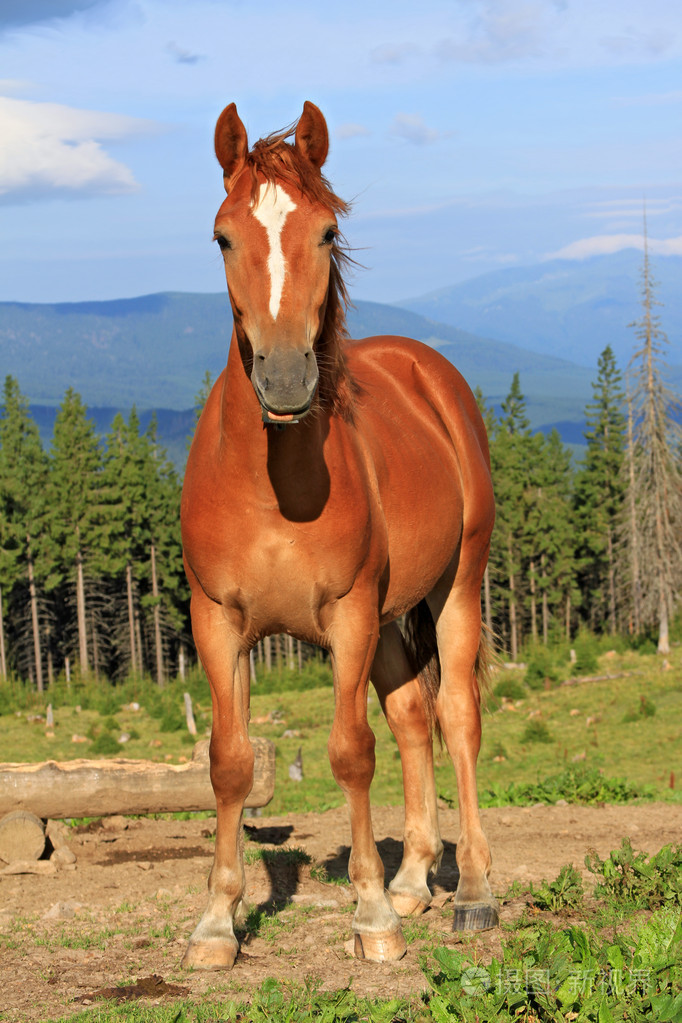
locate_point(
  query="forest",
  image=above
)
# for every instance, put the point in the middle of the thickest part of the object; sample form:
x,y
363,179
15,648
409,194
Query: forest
x,y
91,574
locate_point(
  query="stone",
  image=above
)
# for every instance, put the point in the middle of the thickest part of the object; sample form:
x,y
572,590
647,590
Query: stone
x,y
115,823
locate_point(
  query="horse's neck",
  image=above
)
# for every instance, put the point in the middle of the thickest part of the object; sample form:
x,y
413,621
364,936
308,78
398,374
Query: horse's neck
x,y
265,452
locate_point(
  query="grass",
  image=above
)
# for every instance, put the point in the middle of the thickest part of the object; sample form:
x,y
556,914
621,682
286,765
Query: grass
x,y
606,728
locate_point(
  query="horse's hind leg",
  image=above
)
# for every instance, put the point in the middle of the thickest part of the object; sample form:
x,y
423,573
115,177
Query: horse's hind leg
x,y
213,944
378,934
401,699
457,613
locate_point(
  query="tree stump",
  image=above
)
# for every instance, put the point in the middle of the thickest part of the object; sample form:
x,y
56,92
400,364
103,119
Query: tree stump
x,y
22,836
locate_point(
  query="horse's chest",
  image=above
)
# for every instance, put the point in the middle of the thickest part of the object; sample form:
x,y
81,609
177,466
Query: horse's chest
x,y
271,574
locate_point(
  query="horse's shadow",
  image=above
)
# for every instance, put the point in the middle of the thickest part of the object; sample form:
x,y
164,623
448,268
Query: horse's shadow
x,y
391,852
285,873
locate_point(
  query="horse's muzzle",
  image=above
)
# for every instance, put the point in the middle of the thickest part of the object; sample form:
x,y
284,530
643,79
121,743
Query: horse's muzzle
x,y
285,381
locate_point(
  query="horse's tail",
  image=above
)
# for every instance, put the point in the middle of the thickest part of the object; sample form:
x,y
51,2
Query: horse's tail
x,y
422,653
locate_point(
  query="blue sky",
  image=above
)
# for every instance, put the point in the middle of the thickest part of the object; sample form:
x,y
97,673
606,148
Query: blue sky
x,y
470,134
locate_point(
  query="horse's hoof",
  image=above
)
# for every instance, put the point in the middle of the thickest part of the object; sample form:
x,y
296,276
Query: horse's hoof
x,y
476,916
384,947
210,955
407,905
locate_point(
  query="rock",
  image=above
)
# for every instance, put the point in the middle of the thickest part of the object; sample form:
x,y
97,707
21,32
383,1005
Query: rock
x,y
58,833
124,737
296,769
30,867
63,910
561,802
79,738
62,856
115,823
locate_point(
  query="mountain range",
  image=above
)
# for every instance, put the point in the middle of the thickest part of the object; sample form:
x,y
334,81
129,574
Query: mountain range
x,y
567,308
548,323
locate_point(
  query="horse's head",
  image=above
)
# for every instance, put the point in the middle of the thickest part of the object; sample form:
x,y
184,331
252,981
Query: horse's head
x,y
277,231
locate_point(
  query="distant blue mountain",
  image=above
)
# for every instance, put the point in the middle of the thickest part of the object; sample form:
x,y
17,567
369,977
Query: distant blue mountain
x,y
567,308
153,351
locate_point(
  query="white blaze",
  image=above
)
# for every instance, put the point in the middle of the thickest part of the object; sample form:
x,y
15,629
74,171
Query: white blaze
x,y
271,210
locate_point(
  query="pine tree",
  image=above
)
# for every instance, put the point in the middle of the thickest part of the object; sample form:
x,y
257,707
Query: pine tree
x,y
73,521
600,496
23,475
656,483
509,454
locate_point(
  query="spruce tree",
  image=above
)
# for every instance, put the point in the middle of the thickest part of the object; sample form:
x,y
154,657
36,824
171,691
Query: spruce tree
x,y
23,475
600,497
655,482
74,515
509,453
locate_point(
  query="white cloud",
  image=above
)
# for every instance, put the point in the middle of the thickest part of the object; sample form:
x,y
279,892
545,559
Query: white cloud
x,y
650,99
607,244
351,131
500,31
49,149
393,53
412,128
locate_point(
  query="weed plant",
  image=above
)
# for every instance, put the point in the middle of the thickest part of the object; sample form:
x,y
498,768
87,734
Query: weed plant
x,y
636,881
584,786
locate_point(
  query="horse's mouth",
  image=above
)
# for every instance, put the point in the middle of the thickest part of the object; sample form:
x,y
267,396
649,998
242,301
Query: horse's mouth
x,y
272,418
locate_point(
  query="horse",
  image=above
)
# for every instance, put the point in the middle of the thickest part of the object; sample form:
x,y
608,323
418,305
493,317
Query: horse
x,y
333,488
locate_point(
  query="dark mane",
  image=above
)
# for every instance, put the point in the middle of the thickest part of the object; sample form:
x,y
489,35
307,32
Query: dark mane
x,y
277,160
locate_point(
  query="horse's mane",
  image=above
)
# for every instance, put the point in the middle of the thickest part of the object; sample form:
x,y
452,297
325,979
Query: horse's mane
x,y
278,160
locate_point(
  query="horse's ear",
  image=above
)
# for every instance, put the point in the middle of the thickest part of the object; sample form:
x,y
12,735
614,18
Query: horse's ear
x,y
312,138
231,144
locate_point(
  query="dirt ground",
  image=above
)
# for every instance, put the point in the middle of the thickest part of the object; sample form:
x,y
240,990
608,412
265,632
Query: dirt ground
x,y
123,912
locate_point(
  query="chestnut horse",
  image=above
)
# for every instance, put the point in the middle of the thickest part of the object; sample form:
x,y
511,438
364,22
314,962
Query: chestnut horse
x,y
333,487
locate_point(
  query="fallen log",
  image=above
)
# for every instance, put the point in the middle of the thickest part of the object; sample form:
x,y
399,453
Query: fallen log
x,y
101,788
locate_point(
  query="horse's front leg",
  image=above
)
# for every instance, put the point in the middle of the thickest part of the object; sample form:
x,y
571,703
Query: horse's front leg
x,y
213,944
378,934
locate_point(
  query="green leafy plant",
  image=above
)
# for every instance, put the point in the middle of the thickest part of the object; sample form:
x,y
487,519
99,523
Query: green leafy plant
x,y
585,786
637,880
536,731
564,893
542,669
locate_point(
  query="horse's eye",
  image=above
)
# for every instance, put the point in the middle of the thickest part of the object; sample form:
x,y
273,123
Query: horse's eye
x,y
330,236
223,242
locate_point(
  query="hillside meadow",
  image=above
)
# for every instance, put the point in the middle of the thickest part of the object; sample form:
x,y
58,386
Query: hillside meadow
x,y
622,720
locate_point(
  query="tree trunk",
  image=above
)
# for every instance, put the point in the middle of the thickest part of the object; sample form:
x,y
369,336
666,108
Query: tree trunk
x,y
34,618
290,652
267,643
611,568
80,614
568,617
131,619
3,661
634,533
663,636
545,605
157,621
533,604
513,638
95,648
